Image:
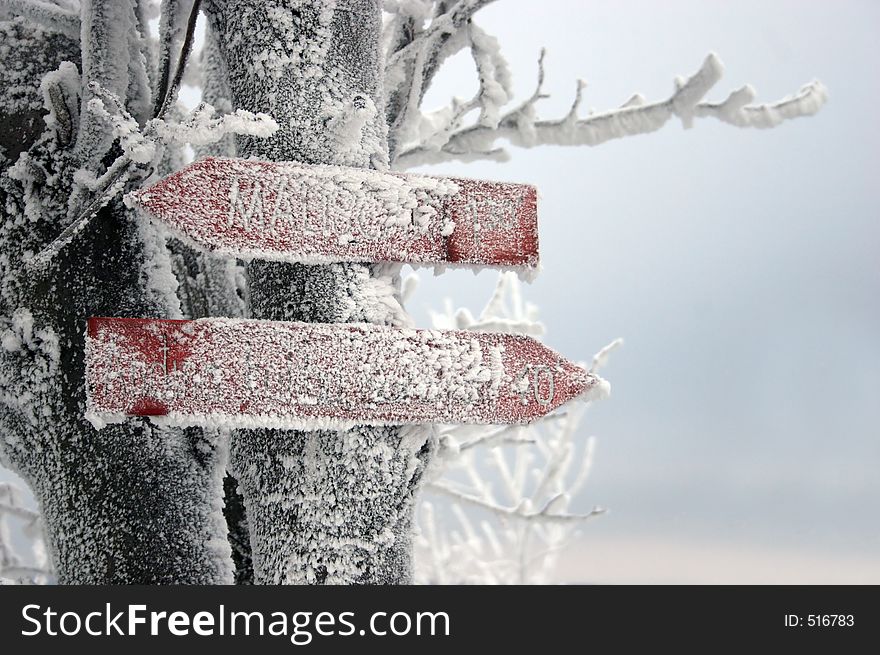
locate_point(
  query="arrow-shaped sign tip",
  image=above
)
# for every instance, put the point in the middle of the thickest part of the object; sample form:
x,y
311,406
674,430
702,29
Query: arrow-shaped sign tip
x,y
595,388
579,384
226,371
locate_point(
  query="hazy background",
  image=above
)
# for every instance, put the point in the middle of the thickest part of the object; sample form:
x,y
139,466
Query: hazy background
x,y
741,266
740,443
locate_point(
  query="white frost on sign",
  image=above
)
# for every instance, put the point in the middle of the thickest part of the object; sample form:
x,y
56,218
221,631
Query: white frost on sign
x,y
319,214
244,373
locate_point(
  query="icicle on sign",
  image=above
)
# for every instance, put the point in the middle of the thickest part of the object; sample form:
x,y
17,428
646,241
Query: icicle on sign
x,y
319,214
241,373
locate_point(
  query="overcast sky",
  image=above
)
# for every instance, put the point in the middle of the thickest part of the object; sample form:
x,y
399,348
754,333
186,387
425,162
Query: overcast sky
x,y
741,267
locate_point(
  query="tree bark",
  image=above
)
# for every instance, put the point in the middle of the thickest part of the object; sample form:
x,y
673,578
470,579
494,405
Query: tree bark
x,y
132,503
323,507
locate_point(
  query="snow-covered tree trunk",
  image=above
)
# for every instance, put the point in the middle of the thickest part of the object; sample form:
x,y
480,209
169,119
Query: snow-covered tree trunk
x,y
323,507
132,503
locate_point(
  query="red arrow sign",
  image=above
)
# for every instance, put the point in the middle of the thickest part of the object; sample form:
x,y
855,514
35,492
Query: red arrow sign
x,y
318,214
241,373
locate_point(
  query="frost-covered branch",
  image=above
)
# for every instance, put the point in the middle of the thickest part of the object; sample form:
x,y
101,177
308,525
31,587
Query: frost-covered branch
x,y
204,126
106,56
421,36
510,434
737,111
520,512
521,127
523,477
142,149
600,359
172,18
52,16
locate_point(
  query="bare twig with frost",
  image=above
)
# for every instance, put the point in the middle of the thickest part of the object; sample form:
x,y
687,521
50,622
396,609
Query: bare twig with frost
x,y
421,35
520,512
522,128
600,359
516,481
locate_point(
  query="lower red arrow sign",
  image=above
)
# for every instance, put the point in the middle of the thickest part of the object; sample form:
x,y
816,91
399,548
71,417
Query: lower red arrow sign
x,y
242,373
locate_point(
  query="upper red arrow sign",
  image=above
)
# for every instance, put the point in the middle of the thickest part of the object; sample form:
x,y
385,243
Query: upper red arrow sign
x,y
242,373
318,214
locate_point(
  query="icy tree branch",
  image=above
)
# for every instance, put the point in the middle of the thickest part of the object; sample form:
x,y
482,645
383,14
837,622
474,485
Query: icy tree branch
x,y
737,111
114,74
53,17
204,126
520,126
105,64
415,54
545,514
448,19
600,359
171,20
511,434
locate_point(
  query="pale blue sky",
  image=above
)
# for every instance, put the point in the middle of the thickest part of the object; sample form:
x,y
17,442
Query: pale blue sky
x,y
741,266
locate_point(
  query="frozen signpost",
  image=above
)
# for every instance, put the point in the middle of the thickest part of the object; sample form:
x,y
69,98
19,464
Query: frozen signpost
x,y
290,375
239,373
301,379
318,214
